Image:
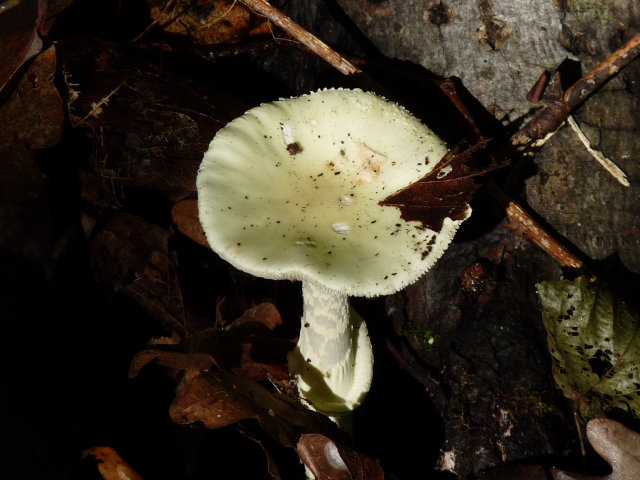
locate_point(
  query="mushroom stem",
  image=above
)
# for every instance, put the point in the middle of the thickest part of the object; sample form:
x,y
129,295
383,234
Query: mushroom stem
x,y
333,362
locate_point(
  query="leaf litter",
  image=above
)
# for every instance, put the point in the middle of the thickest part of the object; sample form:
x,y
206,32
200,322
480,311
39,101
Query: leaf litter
x,y
237,366
111,465
219,386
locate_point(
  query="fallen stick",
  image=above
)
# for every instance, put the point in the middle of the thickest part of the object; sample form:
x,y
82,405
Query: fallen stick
x,y
312,42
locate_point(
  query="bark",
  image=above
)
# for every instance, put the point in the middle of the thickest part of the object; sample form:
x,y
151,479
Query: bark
x,y
471,326
499,49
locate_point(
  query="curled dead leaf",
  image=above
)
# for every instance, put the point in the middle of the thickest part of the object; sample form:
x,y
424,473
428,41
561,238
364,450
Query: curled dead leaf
x,y
329,460
265,313
447,190
179,361
617,444
34,114
218,398
208,23
111,465
185,217
247,347
209,393
210,400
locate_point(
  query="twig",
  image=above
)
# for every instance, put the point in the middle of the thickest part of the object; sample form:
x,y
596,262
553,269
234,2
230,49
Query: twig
x,y
578,92
155,22
522,223
314,44
96,107
576,421
559,105
615,171
215,20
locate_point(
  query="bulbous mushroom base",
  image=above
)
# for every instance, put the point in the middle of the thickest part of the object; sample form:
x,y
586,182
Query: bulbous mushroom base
x,y
333,361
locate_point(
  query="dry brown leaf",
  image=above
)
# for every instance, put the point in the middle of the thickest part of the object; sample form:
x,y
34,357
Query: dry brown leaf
x,y
131,255
265,313
150,130
247,347
177,360
22,23
447,190
19,40
33,116
206,22
210,400
618,445
218,398
111,465
185,217
328,460
252,351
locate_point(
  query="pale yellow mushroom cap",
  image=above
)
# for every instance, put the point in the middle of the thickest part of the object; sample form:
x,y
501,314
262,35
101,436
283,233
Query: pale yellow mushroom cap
x,y
291,190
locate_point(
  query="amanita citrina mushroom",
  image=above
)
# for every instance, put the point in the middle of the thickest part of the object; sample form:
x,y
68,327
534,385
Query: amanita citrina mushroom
x,y
292,190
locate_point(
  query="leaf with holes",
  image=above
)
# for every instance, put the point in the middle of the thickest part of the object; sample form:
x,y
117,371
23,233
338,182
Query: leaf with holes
x,y
594,341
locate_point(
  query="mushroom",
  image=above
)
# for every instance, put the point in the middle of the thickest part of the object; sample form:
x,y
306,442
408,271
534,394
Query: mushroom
x,y
292,190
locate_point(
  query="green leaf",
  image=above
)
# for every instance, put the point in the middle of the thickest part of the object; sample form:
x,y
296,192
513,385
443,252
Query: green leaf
x,y
594,339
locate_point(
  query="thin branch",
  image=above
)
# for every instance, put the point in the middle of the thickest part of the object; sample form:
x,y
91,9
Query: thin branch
x,y
312,42
96,107
558,105
557,109
615,171
522,223
578,92
164,23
